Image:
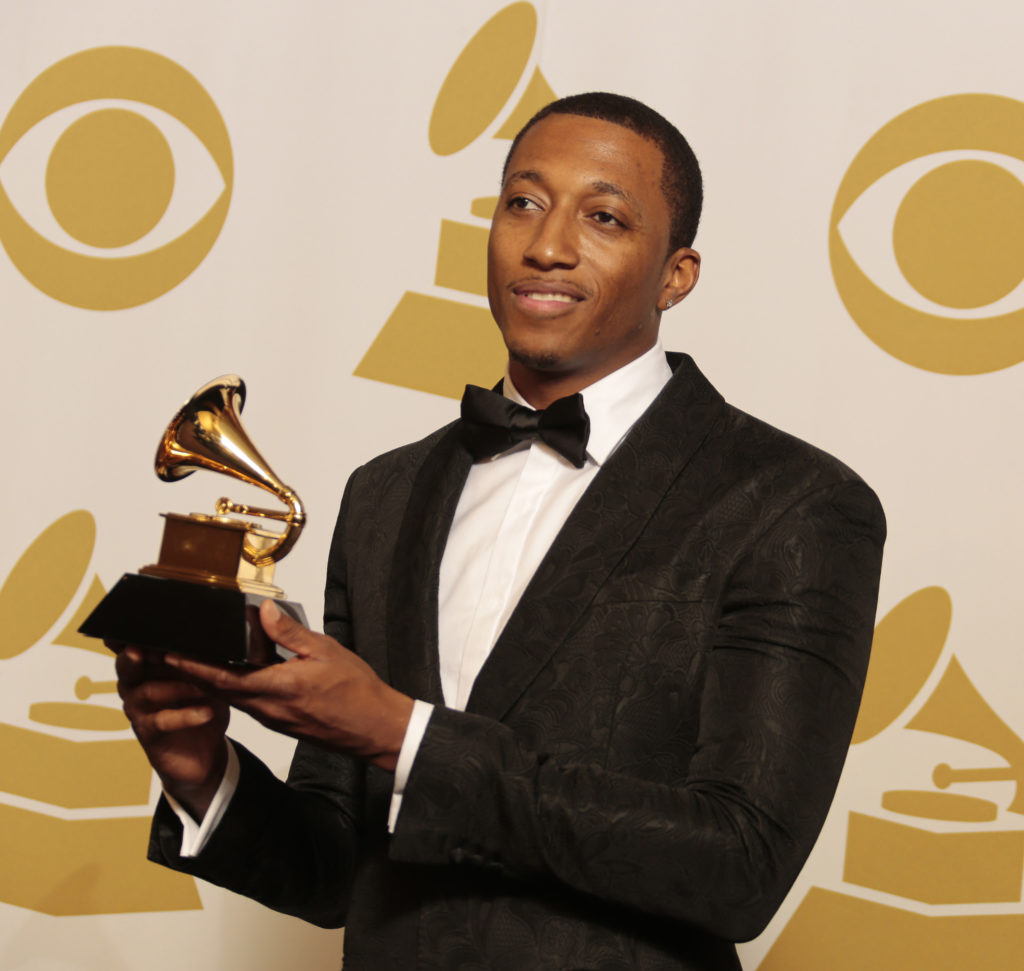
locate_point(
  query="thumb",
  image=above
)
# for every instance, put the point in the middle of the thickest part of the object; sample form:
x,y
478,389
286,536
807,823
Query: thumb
x,y
285,630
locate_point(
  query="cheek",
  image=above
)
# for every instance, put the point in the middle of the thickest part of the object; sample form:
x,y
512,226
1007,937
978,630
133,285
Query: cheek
x,y
628,290
497,270
503,241
491,251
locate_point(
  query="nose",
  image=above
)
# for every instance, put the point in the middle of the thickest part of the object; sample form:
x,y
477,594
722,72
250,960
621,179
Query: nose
x,y
553,243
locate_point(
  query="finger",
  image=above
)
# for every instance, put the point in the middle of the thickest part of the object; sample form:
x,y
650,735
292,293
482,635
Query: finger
x,y
177,719
149,721
149,725
288,632
130,666
158,695
214,677
135,665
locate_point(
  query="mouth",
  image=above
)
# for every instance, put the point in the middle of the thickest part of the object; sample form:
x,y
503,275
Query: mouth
x,y
543,297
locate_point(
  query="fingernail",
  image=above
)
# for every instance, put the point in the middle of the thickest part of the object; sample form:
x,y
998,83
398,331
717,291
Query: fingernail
x,y
272,609
172,660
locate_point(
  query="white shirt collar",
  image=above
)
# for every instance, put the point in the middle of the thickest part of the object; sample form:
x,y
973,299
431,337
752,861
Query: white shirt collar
x,y
616,401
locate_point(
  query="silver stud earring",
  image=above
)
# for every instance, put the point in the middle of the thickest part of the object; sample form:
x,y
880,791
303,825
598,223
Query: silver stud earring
x,y
668,304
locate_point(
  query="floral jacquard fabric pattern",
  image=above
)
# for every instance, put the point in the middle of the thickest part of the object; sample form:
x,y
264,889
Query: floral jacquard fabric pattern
x,y
649,752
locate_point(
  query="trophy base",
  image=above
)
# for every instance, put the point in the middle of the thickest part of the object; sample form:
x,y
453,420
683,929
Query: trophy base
x,y
212,624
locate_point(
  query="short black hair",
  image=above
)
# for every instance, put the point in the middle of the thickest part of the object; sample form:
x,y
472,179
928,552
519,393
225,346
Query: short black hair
x,y
681,181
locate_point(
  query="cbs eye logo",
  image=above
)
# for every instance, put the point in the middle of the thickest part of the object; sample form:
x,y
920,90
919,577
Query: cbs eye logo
x,y
926,237
135,150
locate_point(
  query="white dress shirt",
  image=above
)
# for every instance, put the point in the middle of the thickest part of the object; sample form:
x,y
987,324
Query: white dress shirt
x,y
511,509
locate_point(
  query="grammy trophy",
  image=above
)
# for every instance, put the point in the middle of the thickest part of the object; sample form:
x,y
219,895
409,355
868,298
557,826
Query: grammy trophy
x,y
202,596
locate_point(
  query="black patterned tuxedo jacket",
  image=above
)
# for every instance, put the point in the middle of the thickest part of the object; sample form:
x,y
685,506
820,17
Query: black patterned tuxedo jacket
x,y
647,755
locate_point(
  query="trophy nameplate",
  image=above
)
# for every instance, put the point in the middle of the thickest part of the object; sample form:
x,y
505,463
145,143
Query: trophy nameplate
x,y
202,596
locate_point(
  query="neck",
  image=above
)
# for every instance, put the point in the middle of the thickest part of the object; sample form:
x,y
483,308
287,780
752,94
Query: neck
x,y
541,387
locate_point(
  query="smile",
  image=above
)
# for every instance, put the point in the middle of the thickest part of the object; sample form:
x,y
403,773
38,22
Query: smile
x,y
545,296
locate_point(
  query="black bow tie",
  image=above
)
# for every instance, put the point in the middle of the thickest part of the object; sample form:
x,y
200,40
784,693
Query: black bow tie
x,y
492,423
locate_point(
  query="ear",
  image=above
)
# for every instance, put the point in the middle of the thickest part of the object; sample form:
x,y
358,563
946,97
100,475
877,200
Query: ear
x,y
682,269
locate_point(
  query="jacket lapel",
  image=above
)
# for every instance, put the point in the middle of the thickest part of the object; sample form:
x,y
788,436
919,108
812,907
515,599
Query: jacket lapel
x,y
598,533
413,665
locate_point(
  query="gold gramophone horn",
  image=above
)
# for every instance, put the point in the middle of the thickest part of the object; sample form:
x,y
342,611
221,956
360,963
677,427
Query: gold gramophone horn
x,y
206,433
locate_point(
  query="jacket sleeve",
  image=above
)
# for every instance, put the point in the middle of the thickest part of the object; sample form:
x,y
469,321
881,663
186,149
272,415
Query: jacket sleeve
x,y
294,850
294,847
720,849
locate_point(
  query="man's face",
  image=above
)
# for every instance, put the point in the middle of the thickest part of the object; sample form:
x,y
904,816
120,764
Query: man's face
x,y
578,264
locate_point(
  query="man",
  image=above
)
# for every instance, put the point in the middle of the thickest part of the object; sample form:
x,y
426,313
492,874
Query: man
x,y
602,698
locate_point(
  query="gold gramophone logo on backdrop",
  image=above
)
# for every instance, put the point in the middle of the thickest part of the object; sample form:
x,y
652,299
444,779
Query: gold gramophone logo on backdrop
x,y
926,236
433,343
948,862
115,178
74,783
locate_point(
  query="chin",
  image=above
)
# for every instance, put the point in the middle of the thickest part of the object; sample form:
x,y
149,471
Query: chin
x,y
536,359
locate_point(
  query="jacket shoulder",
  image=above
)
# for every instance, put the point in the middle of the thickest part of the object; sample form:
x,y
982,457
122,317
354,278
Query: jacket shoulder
x,y
770,446
737,444
782,470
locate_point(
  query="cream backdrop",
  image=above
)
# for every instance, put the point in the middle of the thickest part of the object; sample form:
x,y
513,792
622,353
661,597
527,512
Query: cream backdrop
x,y
305,129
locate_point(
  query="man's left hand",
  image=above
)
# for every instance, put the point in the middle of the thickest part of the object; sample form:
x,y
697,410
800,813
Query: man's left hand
x,y
325,694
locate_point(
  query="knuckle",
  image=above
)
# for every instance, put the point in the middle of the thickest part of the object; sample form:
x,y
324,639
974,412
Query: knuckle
x,y
158,721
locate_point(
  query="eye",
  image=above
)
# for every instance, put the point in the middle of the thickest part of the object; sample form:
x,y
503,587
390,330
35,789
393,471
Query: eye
x,y
116,174
606,218
522,202
926,238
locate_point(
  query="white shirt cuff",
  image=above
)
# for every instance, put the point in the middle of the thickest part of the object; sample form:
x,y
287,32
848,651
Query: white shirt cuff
x,y
414,732
196,835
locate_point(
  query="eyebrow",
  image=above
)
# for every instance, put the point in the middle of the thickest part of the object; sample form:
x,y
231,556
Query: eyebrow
x,y
524,175
598,185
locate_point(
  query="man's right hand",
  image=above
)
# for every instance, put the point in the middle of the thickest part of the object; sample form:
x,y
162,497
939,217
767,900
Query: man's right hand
x,y
180,727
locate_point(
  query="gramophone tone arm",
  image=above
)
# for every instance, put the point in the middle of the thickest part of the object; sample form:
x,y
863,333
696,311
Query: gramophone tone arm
x,y
225,505
294,520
